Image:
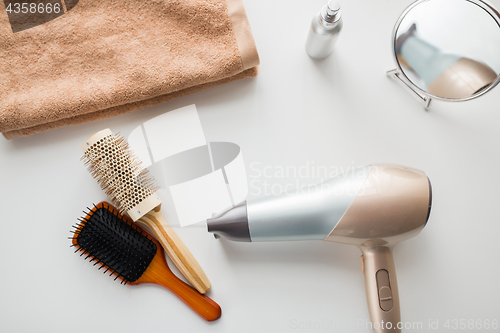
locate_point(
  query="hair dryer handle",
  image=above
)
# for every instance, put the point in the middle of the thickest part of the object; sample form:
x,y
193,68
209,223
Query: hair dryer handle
x,y
381,289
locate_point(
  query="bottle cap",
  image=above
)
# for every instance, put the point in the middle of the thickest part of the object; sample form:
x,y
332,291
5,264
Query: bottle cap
x,y
333,7
331,12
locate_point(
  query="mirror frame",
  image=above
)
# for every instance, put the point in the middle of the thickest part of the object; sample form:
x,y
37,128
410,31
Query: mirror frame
x,y
422,95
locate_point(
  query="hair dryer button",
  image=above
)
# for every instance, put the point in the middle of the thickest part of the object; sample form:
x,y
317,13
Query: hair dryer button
x,y
384,290
385,297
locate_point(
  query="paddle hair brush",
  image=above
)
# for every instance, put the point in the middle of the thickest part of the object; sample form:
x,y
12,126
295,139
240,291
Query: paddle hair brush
x,y
121,175
133,256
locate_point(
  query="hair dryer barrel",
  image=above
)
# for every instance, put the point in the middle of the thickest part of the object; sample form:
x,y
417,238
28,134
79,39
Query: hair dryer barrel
x,y
304,214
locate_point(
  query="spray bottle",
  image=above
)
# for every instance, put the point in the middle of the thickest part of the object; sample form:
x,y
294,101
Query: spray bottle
x,y
324,32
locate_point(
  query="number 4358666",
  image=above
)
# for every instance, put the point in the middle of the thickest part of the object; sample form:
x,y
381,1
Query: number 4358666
x,y
25,8
478,324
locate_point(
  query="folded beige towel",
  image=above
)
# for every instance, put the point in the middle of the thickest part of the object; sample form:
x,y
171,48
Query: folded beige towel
x,y
107,57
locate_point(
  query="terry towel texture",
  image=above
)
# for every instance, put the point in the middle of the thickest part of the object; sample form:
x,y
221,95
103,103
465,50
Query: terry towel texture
x,y
106,57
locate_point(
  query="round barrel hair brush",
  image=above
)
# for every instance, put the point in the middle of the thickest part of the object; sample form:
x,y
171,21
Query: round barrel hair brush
x,y
129,253
132,190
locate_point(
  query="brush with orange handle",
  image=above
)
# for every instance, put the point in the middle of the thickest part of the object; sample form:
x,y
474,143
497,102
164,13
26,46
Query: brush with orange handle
x,y
133,256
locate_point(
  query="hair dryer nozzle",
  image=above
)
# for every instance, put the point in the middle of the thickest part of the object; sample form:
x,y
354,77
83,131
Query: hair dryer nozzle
x,y
231,224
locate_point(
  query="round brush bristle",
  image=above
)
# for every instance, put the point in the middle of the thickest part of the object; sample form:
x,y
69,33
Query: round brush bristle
x,y
119,172
107,238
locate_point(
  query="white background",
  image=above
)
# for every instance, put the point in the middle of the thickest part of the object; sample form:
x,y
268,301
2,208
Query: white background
x,y
297,113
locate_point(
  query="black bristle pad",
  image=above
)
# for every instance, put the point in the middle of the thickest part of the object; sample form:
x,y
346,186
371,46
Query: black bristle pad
x,y
115,243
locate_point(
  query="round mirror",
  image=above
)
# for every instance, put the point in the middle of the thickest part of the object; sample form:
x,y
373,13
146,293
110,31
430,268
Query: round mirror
x,y
447,49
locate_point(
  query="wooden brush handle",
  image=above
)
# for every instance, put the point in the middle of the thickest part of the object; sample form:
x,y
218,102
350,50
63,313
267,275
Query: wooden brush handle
x,y
159,273
201,304
176,250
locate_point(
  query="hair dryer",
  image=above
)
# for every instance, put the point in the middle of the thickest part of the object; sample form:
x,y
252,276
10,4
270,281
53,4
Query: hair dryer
x,y
373,207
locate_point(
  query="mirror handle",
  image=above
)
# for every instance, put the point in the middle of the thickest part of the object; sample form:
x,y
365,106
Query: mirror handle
x,y
425,99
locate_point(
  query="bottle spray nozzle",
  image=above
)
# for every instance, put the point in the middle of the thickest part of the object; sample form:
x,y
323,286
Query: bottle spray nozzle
x,y
331,12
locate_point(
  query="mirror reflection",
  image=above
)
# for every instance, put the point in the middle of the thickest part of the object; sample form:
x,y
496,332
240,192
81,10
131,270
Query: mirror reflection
x,y
449,48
